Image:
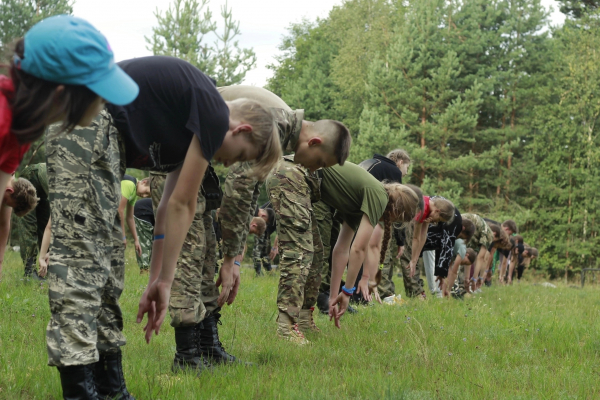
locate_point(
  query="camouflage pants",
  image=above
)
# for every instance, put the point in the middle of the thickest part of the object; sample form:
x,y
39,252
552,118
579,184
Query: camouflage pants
x,y
34,223
325,224
260,254
386,286
300,246
145,231
413,286
87,266
193,292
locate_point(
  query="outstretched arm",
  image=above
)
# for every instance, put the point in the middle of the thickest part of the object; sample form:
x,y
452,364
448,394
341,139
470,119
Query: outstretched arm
x,y
44,256
179,197
4,179
419,238
131,225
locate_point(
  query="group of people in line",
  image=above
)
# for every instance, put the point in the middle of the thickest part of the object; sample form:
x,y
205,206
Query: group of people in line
x,y
163,115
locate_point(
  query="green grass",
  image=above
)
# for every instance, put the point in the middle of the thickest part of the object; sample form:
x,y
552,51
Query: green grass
x,y
519,342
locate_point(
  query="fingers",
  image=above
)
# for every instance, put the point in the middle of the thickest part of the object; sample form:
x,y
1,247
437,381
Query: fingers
x,y
141,312
233,293
224,295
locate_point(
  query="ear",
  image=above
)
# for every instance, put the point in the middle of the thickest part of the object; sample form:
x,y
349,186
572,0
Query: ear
x,y
242,128
315,141
10,190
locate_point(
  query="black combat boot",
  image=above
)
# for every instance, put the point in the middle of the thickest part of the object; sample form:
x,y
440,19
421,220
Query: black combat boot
x,y
187,354
110,381
210,345
29,267
77,382
323,303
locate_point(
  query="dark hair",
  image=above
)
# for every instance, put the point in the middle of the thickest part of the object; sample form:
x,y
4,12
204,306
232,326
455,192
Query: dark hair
x,y
471,255
35,102
510,224
518,238
342,142
468,229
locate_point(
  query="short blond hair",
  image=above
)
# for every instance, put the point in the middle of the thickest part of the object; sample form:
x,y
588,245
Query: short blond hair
x,y
265,134
261,225
445,206
24,196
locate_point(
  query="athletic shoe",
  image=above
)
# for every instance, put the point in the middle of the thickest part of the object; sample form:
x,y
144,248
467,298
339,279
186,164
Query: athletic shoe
x,y
390,300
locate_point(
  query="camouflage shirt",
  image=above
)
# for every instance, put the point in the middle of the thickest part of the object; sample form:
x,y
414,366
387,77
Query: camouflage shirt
x,y
241,191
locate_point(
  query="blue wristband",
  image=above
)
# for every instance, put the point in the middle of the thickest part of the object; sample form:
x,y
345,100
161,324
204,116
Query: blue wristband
x,y
237,263
124,237
348,292
159,237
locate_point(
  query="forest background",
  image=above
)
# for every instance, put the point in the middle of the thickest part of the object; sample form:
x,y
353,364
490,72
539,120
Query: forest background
x,y
497,108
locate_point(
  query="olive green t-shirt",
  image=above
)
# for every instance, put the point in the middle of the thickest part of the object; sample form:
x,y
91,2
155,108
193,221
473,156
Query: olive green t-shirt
x,y
352,191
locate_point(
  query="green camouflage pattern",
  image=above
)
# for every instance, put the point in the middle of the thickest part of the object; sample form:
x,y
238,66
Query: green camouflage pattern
x,y
483,235
324,218
194,292
413,286
34,223
299,239
240,194
145,231
241,191
386,286
87,263
260,253
209,293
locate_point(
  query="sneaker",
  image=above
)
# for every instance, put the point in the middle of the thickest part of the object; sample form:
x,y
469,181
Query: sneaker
x,y
390,300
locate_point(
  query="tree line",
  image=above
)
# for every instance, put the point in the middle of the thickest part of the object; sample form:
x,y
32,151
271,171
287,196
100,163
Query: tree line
x,y
497,107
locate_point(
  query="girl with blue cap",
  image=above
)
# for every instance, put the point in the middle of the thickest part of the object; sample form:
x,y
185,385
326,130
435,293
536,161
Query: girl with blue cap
x,y
63,70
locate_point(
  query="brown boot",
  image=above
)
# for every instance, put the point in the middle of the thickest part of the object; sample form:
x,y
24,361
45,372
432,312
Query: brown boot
x,y
306,323
286,329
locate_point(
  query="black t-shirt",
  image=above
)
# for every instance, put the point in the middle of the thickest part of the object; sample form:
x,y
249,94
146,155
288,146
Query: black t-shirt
x,y
441,238
143,210
176,101
382,168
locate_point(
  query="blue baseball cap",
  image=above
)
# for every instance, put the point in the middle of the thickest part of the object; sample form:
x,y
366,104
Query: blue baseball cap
x,y
69,50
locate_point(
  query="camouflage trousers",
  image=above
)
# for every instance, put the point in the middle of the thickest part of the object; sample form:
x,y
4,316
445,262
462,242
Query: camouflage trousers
x,y
145,231
87,265
300,246
193,293
324,218
260,254
34,223
413,286
387,287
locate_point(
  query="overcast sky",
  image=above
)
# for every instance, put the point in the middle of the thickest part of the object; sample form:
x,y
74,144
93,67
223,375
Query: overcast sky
x,y
262,23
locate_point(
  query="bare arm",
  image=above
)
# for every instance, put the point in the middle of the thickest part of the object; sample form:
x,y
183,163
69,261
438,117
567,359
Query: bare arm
x,y
5,213
180,195
4,179
122,206
44,256
131,225
419,238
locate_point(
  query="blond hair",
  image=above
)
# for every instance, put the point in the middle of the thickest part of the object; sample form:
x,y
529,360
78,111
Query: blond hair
x,y
337,138
24,196
265,135
445,206
261,225
399,155
402,206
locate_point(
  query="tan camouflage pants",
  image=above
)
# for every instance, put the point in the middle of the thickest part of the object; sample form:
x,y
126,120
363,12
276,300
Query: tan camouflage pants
x,y
87,268
386,286
194,292
300,246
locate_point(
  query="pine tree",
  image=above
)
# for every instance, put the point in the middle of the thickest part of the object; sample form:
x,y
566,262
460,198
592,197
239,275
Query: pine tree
x,y
183,31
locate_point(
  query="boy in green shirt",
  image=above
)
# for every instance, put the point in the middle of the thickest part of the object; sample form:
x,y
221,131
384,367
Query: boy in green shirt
x,y
131,189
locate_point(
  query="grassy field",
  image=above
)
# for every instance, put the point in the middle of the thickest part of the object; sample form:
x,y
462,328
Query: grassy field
x,y
521,342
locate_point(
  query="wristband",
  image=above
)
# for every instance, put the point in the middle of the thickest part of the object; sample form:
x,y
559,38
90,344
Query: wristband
x,y
159,237
348,292
237,263
124,237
